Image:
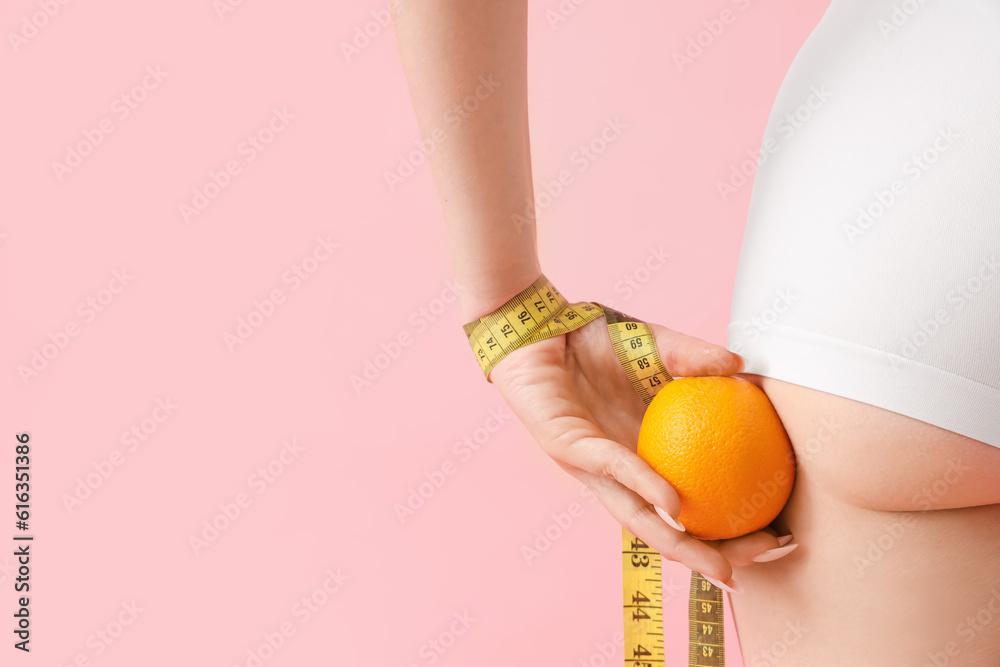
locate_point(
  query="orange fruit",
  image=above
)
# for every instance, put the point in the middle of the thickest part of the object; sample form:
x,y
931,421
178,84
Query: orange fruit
x,y
721,445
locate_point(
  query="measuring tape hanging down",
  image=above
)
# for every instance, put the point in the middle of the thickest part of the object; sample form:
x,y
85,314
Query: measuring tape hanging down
x,y
538,312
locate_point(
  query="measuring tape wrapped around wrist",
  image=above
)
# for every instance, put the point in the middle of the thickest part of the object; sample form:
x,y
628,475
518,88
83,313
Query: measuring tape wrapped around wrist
x,y
538,312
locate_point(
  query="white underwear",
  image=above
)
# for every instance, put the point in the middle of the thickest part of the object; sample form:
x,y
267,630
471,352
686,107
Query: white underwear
x,y
870,268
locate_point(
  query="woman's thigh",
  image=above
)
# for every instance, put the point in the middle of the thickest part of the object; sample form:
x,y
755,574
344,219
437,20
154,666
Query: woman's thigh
x,y
898,526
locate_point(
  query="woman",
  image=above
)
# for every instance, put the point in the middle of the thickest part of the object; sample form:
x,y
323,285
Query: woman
x,y
865,308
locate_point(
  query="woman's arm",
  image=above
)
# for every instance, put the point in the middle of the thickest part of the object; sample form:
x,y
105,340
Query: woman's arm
x,y
569,391
475,52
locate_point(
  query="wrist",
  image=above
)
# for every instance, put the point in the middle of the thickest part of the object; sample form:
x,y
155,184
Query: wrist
x,y
482,295
536,312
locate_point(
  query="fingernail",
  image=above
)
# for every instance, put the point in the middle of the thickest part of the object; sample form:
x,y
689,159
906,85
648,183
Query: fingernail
x,y
671,521
785,539
773,554
732,587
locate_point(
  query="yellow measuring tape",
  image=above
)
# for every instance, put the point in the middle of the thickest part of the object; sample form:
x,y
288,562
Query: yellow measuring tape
x,y
538,312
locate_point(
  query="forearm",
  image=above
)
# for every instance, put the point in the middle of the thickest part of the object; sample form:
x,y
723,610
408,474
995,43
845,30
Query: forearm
x,y
475,51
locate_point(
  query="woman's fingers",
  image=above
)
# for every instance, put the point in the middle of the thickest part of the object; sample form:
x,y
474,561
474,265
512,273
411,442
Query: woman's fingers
x,y
631,492
639,517
760,547
686,356
609,459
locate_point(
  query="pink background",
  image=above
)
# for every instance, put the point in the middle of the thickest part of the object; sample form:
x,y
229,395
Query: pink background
x,y
331,507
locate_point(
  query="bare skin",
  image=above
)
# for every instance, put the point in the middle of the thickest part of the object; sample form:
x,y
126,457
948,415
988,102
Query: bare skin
x,y
898,523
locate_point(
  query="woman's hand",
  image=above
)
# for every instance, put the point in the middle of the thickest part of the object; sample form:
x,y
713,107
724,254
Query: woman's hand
x,y
572,395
